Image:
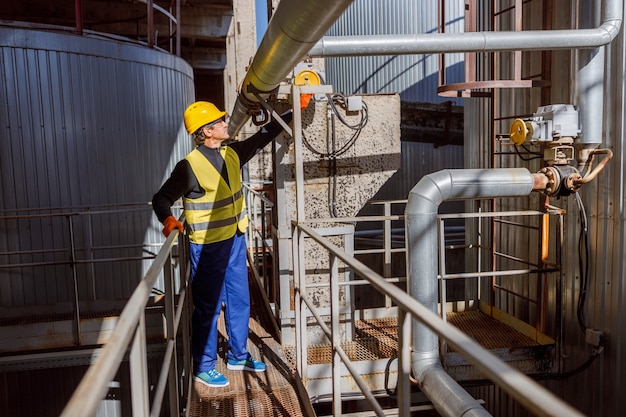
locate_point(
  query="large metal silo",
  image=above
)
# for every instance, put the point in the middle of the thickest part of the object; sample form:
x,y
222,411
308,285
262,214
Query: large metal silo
x,y
90,128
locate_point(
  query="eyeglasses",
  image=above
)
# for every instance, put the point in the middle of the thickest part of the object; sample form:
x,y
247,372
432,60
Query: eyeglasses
x,y
221,119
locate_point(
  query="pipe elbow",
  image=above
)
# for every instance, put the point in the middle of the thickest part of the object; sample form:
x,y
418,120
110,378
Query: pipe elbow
x,y
610,29
423,362
429,193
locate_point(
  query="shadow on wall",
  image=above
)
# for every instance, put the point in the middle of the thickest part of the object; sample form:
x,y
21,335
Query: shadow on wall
x,y
418,159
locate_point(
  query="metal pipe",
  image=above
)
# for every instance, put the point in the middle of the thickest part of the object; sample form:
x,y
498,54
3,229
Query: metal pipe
x,y
590,86
449,398
532,40
295,27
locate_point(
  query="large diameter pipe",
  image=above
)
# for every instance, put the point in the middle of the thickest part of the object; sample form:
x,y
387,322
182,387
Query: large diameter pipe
x,y
422,269
295,27
533,40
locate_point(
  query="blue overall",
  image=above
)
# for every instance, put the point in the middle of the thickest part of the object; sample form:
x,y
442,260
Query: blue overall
x,y
219,274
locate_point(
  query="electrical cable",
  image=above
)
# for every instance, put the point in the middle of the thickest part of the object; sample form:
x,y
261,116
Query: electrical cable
x,y
558,376
523,158
334,101
332,167
583,263
548,375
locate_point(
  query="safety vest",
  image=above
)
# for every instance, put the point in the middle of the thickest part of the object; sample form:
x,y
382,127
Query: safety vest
x,y
218,214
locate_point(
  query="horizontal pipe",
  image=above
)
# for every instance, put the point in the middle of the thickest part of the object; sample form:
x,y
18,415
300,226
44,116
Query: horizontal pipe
x,y
533,40
295,27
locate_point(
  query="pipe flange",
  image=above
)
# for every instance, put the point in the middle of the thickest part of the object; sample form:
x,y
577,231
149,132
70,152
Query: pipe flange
x,y
572,182
553,181
562,180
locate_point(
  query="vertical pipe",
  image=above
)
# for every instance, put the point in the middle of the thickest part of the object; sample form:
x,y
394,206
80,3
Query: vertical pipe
x,y
421,234
590,83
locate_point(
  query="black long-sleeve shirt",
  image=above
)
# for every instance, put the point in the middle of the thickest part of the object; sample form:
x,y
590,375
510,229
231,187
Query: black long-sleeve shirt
x,y
182,181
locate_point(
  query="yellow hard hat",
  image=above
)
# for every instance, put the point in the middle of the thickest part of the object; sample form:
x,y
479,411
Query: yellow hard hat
x,y
199,114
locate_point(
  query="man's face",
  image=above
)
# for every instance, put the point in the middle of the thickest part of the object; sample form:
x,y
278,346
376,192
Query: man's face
x,y
218,131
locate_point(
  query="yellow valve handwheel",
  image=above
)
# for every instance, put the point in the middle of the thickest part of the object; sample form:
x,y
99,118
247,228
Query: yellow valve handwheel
x,y
518,131
307,77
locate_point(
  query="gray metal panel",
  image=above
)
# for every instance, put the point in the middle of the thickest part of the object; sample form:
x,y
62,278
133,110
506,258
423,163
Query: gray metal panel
x,y
87,125
414,77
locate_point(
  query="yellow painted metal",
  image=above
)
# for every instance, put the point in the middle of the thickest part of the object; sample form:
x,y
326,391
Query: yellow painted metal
x,y
519,131
307,77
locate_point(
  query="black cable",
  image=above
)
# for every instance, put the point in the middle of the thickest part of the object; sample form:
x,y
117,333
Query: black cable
x,y
583,263
558,376
547,375
334,101
523,158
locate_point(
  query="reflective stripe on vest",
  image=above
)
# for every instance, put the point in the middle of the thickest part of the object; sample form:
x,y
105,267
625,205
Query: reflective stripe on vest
x,y
218,214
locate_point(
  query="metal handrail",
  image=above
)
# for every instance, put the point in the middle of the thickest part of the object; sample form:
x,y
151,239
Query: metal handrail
x,y
520,387
130,334
172,14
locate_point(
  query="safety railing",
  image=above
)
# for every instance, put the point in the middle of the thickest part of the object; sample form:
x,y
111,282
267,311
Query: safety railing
x,y
260,245
76,248
130,335
520,387
530,267
150,20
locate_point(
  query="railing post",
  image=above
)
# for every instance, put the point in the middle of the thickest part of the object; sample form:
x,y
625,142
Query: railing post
x,y
185,322
404,363
336,334
387,272
150,11
171,334
76,318
78,11
442,281
299,271
139,370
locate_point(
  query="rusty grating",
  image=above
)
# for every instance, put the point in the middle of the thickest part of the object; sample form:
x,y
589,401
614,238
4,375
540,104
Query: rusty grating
x,y
270,393
489,332
249,394
375,339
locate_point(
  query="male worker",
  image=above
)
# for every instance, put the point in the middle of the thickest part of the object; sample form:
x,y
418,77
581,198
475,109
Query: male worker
x,y
209,181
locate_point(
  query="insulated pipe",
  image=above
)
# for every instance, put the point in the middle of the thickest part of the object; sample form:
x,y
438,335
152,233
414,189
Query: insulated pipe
x,y
449,398
590,85
295,27
532,40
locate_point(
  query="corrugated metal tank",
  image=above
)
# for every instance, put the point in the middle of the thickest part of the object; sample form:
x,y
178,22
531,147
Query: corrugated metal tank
x,y
414,77
595,390
90,128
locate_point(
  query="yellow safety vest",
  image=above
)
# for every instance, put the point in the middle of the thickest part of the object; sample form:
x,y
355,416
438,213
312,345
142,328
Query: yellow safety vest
x,y
218,214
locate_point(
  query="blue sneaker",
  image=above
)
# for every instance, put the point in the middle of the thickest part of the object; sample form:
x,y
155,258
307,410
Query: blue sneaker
x,y
246,365
211,378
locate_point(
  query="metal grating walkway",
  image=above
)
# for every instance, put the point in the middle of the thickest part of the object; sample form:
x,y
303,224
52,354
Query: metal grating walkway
x,y
270,393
